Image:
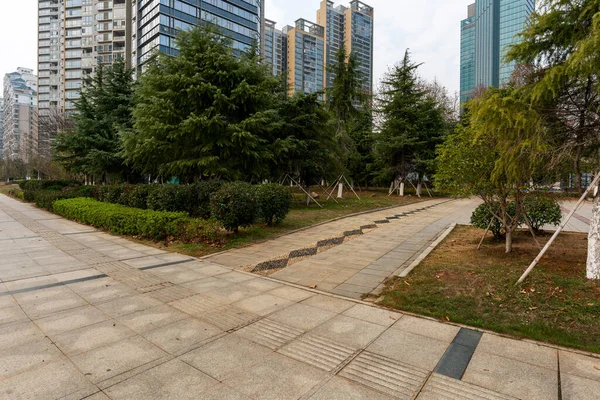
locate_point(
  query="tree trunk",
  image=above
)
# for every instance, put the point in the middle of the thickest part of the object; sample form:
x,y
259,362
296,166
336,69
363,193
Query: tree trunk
x,y
509,241
308,195
578,173
593,259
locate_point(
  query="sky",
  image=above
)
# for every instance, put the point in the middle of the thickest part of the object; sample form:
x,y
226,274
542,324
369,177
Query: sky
x,y
429,28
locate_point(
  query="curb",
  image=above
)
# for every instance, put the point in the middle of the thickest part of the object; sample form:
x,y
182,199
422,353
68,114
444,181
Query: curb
x,y
427,251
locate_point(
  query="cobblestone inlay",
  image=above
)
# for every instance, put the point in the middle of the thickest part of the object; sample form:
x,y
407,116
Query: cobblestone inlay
x,y
444,388
317,351
270,334
229,318
386,375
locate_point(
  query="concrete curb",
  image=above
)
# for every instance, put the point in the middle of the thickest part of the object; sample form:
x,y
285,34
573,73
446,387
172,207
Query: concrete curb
x,y
427,251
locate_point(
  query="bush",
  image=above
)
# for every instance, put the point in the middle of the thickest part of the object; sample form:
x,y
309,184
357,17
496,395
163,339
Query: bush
x,y
179,198
137,195
111,193
120,219
542,210
482,216
203,190
196,230
273,202
234,205
45,198
31,187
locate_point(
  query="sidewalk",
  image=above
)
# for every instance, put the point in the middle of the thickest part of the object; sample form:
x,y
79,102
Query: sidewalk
x,y
87,315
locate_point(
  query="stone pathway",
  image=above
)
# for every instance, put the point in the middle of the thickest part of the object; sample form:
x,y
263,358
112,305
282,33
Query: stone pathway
x,y
85,315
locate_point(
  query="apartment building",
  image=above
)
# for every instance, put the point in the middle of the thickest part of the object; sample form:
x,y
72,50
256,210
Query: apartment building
x,y
306,57
275,48
19,140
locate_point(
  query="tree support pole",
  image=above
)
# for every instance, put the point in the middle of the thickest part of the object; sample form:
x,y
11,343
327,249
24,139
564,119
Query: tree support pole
x,y
351,188
560,229
416,190
485,234
531,231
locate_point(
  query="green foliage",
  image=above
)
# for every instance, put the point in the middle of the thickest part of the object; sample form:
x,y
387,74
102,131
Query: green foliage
x,y
111,193
120,219
273,202
202,192
204,112
136,196
31,187
234,205
93,147
542,210
482,216
413,125
172,198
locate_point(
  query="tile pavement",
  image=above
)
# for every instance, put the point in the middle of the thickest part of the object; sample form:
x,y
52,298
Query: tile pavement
x,y
91,330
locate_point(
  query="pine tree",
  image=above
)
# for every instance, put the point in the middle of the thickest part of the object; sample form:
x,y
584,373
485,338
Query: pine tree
x,y
204,112
412,126
92,146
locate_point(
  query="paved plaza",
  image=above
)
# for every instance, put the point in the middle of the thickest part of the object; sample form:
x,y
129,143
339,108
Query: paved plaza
x,y
87,315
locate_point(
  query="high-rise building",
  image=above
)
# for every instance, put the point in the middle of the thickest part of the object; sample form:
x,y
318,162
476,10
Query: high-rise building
x,y
275,48
156,23
74,38
491,27
19,139
353,27
1,127
306,57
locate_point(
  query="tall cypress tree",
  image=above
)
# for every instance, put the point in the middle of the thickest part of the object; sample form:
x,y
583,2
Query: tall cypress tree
x,y
92,146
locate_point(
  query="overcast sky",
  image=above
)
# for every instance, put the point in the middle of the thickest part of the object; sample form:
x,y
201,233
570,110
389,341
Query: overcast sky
x,y
430,28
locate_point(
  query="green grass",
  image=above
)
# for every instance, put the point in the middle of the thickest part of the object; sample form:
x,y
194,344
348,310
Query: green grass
x,y
556,304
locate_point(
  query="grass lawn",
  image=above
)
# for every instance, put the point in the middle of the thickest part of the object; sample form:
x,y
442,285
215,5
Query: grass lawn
x,y
5,188
556,303
300,216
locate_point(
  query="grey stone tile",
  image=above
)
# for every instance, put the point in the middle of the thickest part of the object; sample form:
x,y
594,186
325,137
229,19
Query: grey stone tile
x,y
171,380
128,305
373,314
152,318
342,389
347,331
182,335
511,377
90,337
11,314
417,350
276,377
328,303
226,356
232,293
207,284
236,277
428,328
302,317
263,304
71,319
14,360
580,365
575,387
262,285
19,333
291,293
527,352
117,358
223,392
50,380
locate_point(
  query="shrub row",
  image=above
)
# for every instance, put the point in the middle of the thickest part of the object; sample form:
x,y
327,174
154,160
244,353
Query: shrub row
x,y
45,198
235,205
32,186
540,210
123,220
193,199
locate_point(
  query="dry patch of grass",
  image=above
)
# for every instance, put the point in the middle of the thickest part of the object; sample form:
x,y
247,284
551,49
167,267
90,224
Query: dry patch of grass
x,y
556,304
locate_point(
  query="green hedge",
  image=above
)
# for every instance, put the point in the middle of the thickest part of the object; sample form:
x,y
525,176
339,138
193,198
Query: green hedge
x,y
45,198
273,202
30,188
123,220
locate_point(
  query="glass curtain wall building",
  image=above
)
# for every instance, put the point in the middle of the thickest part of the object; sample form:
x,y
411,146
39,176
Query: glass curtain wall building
x,y
157,23
491,27
275,48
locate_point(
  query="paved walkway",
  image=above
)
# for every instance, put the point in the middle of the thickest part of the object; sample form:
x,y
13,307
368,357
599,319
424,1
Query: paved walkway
x,y
353,256
87,315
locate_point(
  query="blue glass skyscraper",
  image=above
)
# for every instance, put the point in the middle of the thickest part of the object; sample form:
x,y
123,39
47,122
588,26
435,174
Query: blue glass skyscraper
x,y
491,27
157,22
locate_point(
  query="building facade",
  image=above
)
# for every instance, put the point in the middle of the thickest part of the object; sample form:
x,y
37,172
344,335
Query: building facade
x,y
306,57
157,22
19,139
491,27
353,28
275,48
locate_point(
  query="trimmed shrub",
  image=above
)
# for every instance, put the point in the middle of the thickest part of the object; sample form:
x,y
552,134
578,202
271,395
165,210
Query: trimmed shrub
x,y
234,205
482,216
196,230
120,219
111,193
45,198
203,190
179,198
31,187
273,202
542,210
137,195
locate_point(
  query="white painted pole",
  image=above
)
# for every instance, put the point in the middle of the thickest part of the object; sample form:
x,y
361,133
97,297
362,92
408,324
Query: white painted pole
x,y
560,229
402,189
340,194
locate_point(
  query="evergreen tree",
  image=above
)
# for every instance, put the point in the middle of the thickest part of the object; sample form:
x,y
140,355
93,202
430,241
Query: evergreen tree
x,y
204,112
412,126
92,145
